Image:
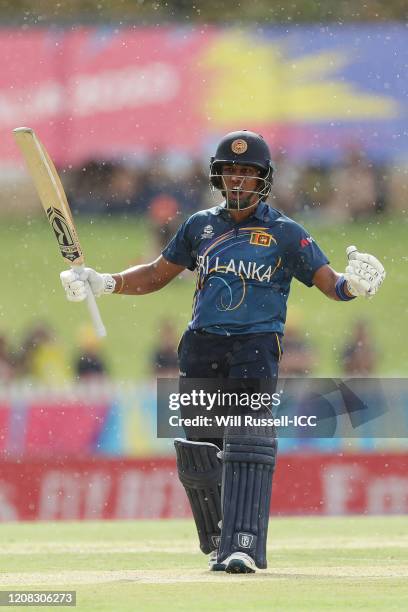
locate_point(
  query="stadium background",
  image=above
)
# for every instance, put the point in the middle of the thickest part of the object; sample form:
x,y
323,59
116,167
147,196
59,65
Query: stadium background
x,y
130,111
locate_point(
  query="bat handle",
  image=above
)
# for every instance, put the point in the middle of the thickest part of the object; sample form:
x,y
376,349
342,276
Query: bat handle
x,y
350,251
95,314
93,309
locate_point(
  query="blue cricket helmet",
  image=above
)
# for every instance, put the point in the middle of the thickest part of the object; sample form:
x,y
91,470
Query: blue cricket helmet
x,y
247,148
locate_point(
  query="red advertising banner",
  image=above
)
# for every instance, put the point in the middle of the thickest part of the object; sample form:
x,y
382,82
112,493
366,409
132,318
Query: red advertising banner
x,y
91,489
108,92
135,489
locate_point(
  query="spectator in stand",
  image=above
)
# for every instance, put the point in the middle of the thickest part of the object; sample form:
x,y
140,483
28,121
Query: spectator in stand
x,y
88,185
106,187
7,368
314,190
354,189
286,186
124,191
42,358
397,184
164,219
298,357
195,188
89,364
165,361
359,355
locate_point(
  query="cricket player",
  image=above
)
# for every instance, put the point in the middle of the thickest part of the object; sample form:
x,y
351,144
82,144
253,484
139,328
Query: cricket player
x,y
245,254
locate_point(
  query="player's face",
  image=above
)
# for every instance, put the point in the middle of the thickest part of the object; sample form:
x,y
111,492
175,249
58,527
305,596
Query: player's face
x,y
241,185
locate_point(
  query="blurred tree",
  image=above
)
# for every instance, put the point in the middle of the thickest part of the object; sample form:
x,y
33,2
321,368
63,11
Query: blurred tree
x,y
144,12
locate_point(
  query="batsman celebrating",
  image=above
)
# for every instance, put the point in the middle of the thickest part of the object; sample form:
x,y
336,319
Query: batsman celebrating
x,y
245,254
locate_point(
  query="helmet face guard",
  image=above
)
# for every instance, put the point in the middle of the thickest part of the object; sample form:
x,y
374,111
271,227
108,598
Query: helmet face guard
x,y
243,198
247,149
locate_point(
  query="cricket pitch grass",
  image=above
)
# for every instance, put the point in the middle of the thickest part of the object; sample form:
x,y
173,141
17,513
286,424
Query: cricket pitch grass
x,y
314,564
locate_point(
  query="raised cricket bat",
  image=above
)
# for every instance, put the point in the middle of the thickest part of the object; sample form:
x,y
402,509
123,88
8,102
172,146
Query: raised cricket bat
x,y
55,204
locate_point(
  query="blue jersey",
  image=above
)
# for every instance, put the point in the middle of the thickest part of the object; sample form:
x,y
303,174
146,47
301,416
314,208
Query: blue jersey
x,y
244,270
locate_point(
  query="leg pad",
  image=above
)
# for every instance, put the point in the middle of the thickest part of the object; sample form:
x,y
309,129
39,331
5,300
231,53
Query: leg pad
x,y
248,465
200,472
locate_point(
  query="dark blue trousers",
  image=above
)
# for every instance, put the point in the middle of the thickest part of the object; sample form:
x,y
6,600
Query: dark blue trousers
x,y
203,355
252,356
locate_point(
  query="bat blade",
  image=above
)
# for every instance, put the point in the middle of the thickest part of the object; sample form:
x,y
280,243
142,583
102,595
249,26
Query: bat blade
x,y
51,194
55,204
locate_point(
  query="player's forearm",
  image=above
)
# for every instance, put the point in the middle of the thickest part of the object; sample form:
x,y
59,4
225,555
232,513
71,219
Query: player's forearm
x,y
146,278
139,280
134,281
325,279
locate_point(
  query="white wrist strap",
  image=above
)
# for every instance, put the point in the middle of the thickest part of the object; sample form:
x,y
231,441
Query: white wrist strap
x,y
109,283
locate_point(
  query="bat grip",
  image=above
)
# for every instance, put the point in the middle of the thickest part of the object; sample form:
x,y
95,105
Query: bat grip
x,y
95,314
93,309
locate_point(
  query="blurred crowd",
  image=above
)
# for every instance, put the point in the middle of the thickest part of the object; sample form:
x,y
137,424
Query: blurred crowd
x,y
166,189
42,358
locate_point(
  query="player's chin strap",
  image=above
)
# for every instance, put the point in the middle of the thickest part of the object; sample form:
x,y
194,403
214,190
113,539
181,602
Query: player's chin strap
x,y
248,466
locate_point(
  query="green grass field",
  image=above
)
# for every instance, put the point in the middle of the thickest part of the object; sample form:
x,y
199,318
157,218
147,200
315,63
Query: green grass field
x,y
31,290
314,564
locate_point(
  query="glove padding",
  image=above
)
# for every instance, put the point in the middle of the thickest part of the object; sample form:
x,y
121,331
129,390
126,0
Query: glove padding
x,y
364,273
77,283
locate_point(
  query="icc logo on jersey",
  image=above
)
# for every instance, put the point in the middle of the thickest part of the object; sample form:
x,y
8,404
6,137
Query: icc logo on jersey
x,y
208,232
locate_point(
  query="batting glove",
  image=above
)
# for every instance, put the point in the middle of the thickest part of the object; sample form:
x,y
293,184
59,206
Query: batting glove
x,y
77,282
364,274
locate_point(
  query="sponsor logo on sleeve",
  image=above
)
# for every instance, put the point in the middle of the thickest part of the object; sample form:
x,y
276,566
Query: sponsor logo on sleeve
x,y
306,242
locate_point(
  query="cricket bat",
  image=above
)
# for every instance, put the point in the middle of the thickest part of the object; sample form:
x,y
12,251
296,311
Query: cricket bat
x,y
55,204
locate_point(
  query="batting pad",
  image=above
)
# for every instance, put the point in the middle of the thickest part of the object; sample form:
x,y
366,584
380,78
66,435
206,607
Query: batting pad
x,y
249,462
200,471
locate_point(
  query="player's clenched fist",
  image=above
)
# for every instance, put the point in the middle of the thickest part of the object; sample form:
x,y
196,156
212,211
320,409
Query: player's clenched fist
x,y
364,274
78,282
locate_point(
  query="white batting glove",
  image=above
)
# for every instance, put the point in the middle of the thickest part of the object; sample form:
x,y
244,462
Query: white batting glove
x,y
364,274
77,283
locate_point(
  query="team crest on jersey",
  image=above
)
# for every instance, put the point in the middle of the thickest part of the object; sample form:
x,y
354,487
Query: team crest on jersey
x,y
261,239
208,232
